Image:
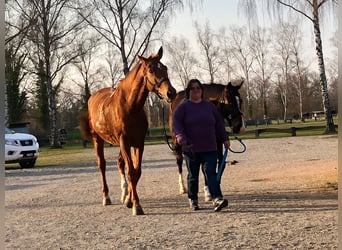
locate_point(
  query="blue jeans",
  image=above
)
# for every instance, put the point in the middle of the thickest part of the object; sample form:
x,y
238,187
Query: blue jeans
x,y
208,160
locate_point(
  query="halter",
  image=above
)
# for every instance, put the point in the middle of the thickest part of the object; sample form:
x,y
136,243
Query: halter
x,y
230,115
155,86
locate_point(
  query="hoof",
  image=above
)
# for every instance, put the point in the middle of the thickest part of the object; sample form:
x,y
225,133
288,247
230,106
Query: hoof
x,y
106,201
208,198
182,191
137,211
128,203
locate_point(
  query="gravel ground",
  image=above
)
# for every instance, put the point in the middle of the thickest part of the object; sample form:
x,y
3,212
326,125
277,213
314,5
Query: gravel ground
x,y
282,195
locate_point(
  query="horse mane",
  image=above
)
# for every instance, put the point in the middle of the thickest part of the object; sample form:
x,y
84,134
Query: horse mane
x,y
131,73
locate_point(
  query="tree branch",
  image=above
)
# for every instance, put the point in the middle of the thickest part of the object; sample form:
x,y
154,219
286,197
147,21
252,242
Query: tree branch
x,y
295,9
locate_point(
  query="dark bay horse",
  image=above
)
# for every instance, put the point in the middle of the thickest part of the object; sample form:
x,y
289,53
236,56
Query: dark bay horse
x,y
228,101
117,116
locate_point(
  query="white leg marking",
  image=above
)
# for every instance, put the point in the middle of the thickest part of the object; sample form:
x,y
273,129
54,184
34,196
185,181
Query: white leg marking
x,y
182,188
207,195
124,186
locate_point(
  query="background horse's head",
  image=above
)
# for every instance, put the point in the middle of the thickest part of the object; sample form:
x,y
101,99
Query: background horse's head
x,y
230,107
155,74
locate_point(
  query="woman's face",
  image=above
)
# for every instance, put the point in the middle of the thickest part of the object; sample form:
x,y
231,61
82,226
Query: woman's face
x,y
195,92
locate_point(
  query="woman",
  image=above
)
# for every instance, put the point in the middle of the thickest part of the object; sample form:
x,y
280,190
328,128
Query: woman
x,y
197,125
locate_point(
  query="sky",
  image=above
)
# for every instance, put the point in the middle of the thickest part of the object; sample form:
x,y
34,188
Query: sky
x,y
226,13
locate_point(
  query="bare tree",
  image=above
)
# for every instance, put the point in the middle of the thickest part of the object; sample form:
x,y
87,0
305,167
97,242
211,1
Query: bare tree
x,y
17,22
84,65
182,63
52,36
261,48
113,65
299,70
243,54
283,48
311,10
129,25
209,49
226,56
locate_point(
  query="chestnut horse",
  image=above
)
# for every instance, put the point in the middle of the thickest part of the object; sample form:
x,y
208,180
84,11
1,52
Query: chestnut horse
x,y
228,101
117,116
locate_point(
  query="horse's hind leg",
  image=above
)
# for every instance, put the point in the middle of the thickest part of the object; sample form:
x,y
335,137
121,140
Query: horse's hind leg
x,y
123,181
101,164
182,188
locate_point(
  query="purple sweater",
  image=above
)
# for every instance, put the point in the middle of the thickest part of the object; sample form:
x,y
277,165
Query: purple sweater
x,y
199,124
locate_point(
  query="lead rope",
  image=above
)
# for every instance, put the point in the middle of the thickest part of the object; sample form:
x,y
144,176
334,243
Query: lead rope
x,y
167,137
222,166
243,146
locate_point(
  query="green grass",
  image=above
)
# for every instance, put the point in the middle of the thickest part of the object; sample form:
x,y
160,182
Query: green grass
x,y
74,153
68,154
250,130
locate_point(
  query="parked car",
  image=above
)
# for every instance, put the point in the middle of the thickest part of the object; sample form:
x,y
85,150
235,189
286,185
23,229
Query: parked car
x,y
21,148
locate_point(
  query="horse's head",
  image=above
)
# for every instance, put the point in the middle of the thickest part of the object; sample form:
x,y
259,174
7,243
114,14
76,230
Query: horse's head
x,y
155,74
230,108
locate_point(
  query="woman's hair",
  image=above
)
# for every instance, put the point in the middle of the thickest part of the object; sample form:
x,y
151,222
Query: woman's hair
x,y
189,85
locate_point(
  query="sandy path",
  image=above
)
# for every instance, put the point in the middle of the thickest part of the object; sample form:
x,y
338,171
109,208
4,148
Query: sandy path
x,y
282,195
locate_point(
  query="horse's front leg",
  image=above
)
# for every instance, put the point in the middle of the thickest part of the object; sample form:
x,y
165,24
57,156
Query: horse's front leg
x,y
179,161
133,175
123,180
101,164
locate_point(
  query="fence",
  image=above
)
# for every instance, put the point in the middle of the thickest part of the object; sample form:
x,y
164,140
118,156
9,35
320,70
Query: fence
x,y
292,130
257,132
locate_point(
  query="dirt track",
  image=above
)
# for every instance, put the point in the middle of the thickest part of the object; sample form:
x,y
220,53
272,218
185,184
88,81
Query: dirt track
x,y
282,195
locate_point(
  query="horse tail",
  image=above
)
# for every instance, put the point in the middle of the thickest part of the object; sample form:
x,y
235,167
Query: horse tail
x,y
84,126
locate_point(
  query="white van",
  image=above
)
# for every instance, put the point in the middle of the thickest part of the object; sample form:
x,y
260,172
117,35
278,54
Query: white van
x,y
21,148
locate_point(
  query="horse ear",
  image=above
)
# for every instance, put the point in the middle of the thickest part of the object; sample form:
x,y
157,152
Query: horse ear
x,y
229,84
160,52
142,59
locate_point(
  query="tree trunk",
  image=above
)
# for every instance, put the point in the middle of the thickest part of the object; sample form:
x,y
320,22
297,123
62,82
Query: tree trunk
x,y
52,110
6,105
330,127
51,94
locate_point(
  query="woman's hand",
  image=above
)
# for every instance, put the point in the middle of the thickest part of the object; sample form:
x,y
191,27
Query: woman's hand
x,y
182,141
226,144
